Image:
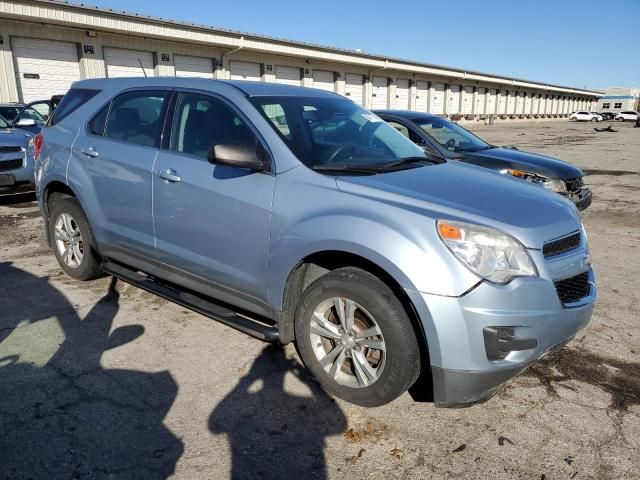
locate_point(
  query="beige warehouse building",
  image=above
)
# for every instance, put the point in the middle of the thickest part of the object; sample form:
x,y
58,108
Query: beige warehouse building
x,y
46,45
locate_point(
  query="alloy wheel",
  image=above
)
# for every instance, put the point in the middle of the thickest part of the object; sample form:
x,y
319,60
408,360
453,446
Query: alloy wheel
x,y
347,342
69,241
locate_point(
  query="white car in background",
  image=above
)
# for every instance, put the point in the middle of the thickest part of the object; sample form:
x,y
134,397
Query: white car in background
x,y
585,117
627,115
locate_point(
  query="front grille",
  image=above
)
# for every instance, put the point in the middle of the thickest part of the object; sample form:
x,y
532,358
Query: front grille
x,y
572,289
574,184
10,165
561,245
10,149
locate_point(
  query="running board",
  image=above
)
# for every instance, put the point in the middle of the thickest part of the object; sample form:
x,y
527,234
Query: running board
x,y
245,324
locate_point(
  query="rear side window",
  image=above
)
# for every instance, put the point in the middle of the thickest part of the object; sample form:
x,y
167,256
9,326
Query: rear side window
x,y
73,100
134,117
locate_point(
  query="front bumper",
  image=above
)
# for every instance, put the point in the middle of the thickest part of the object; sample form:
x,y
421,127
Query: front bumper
x,y
461,370
581,198
18,178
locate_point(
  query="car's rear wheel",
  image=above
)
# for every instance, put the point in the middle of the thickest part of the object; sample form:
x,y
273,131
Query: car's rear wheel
x,y
594,119
356,337
72,239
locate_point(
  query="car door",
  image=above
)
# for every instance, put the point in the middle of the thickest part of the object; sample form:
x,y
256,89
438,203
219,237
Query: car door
x,y
212,221
39,112
114,160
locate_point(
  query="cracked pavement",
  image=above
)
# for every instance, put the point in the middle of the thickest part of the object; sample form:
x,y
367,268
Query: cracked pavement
x,y
103,380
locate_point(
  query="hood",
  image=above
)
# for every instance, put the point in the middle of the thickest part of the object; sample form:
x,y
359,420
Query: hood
x,y
467,193
14,136
530,162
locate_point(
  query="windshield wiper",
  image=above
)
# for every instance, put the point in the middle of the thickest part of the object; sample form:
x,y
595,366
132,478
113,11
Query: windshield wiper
x,y
363,169
408,162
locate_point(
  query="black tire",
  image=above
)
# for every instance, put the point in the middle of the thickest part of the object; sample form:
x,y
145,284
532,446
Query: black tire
x,y
89,267
594,119
402,356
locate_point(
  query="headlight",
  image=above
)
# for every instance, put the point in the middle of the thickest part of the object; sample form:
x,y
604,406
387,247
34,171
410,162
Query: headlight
x,y
488,252
553,184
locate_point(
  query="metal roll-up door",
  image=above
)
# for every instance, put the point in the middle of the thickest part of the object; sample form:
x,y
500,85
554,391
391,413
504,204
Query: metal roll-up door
x,y
353,88
454,99
288,75
128,63
187,66
380,93
324,80
511,103
44,67
422,96
245,71
528,103
481,98
491,101
535,104
502,102
437,105
467,100
402,94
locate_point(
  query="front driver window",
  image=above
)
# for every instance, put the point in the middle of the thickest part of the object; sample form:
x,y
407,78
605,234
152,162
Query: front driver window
x,y
201,121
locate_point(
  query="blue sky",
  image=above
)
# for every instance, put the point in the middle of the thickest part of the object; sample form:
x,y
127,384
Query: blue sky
x,y
570,42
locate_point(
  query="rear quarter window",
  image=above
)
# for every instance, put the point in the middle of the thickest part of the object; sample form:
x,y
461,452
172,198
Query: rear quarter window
x,y
72,100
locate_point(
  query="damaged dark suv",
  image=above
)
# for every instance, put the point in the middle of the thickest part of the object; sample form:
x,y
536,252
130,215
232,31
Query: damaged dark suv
x,y
449,140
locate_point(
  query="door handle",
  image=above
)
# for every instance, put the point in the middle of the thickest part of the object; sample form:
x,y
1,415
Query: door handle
x,y
169,175
90,152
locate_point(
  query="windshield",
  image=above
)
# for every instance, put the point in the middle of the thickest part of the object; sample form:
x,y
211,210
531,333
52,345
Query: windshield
x,y
334,132
9,113
451,136
3,122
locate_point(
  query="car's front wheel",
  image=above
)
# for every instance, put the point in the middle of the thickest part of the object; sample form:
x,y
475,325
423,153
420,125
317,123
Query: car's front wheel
x,y
72,239
355,336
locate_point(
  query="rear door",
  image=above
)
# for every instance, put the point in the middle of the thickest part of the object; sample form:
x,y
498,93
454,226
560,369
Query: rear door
x,y
211,221
116,155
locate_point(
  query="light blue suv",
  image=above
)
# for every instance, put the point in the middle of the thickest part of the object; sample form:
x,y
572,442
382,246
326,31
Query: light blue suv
x,y
293,214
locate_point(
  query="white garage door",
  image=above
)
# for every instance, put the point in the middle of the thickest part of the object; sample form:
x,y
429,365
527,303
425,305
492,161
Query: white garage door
x,y
527,103
288,75
380,93
491,101
454,99
324,80
245,71
402,94
437,105
481,98
422,96
44,67
193,66
467,100
535,104
128,63
353,88
502,102
511,102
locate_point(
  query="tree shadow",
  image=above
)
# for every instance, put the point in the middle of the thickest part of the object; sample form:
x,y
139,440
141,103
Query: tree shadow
x,y
72,417
273,433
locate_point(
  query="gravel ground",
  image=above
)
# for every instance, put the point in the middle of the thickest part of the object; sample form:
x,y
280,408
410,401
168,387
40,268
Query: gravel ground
x,y
101,379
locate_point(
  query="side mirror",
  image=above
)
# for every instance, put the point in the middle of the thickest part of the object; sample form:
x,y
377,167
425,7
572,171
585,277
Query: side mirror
x,y
25,122
239,155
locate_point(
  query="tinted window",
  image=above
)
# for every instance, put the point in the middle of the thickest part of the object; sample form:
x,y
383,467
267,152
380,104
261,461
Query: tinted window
x,y
73,100
136,117
401,128
99,121
201,121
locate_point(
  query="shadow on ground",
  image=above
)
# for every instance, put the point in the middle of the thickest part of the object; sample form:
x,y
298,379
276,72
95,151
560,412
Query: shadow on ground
x,y
70,417
273,433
